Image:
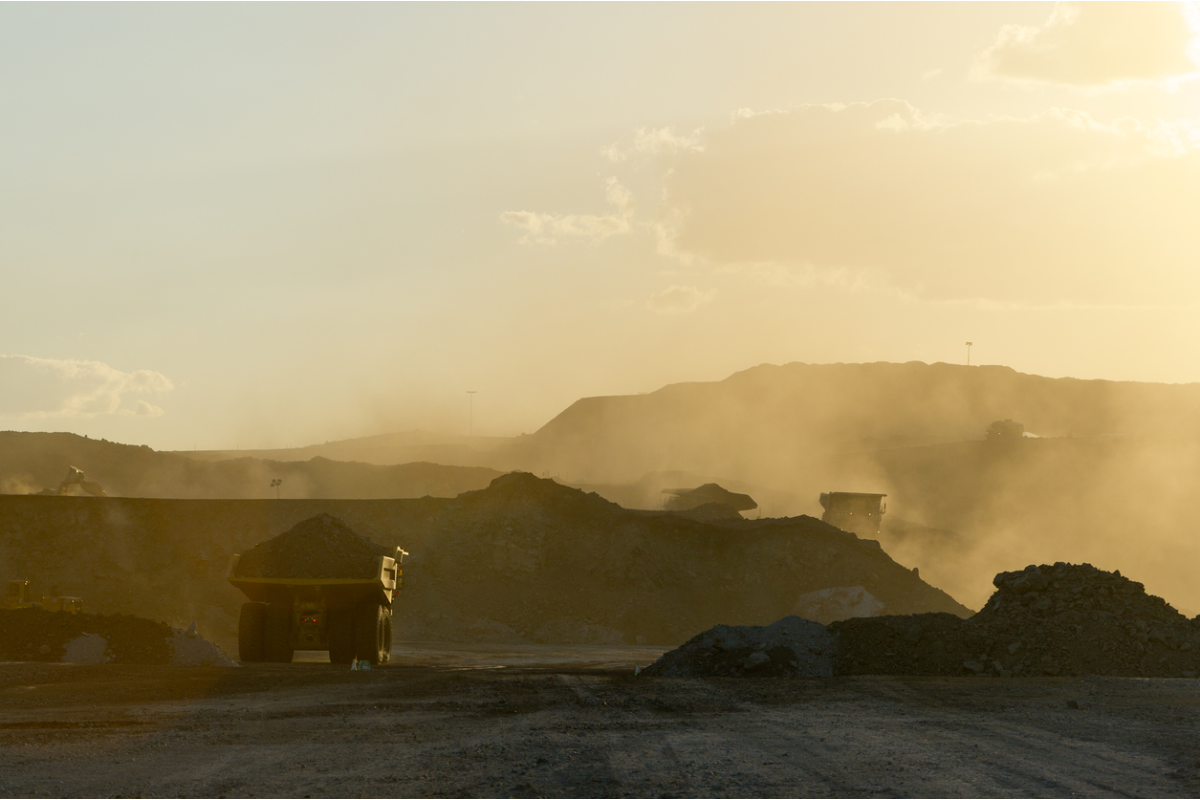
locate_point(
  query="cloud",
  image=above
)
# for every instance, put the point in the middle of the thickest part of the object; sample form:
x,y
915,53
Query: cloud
x,y
39,388
679,300
1096,44
1054,208
656,141
542,228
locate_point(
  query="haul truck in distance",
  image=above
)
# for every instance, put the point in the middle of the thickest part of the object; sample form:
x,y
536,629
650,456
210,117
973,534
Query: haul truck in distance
x,y
349,617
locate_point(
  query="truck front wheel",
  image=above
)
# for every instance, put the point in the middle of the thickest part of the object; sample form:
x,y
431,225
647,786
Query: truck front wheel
x,y
369,636
252,625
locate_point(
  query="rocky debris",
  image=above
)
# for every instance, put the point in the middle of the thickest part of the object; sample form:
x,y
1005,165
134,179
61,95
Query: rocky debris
x,y
189,649
87,648
319,547
790,647
32,634
912,644
840,602
1061,619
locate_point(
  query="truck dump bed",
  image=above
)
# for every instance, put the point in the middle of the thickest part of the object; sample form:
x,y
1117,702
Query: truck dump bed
x,y
381,588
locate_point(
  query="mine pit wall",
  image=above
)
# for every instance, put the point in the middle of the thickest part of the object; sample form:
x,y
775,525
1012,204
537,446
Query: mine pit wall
x,y
650,579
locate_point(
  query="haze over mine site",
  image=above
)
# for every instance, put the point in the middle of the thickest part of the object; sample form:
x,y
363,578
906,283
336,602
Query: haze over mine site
x,y
688,399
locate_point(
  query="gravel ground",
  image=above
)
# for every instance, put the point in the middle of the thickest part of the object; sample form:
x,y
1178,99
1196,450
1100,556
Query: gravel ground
x,y
555,730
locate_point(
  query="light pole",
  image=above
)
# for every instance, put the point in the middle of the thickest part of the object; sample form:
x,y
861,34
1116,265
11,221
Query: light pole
x,y
969,353
471,418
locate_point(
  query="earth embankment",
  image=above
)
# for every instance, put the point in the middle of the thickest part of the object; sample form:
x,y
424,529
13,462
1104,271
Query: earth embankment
x,y
523,560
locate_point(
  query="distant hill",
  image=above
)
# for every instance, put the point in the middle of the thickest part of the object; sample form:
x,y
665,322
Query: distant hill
x,y
30,462
776,425
388,448
780,431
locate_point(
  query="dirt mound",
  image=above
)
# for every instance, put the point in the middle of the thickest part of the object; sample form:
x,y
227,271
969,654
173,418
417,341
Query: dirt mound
x,y
685,499
524,560
791,646
32,634
521,491
1065,619
710,512
319,547
189,649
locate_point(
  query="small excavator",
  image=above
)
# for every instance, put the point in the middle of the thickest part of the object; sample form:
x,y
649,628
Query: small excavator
x,y
75,477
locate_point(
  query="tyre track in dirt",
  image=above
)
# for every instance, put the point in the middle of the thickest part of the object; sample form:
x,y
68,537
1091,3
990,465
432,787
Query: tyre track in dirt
x,y
410,731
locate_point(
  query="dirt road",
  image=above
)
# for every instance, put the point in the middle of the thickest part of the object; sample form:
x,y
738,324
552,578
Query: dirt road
x,y
578,729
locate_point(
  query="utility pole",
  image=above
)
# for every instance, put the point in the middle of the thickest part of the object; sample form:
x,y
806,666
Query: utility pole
x,y
969,353
471,418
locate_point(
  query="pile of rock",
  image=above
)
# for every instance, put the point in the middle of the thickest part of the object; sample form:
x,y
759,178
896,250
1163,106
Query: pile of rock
x,y
792,646
1061,619
319,547
1064,619
32,634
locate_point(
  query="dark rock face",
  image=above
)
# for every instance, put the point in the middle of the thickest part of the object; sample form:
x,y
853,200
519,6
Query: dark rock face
x,y
1060,619
320,547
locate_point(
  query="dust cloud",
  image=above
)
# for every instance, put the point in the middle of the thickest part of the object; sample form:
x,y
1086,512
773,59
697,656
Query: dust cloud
x,y
1105,475
1108,482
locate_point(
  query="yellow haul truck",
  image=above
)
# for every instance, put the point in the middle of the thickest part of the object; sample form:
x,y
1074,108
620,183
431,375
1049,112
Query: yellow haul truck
x,y
349,617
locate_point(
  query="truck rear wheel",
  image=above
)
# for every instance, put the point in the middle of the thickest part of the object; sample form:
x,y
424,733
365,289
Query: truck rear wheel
x,y
277,643
369,633
251,626
341,636
387,636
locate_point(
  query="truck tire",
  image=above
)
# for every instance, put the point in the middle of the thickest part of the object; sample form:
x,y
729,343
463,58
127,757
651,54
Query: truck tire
x,y
341,636
387,636
277,643
252,625
368,633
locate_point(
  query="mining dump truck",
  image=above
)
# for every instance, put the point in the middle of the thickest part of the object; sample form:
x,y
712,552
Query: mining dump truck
x,y
856,512
349,617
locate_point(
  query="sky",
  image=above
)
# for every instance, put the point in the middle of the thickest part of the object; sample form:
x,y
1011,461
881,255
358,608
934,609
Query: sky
x,y
262,225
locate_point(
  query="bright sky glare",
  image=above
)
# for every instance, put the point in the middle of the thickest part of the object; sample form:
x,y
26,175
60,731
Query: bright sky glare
x,y
272,224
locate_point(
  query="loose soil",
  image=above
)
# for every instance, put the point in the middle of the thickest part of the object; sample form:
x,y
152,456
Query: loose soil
x,y
555,731
319,547
1060,619
792,646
